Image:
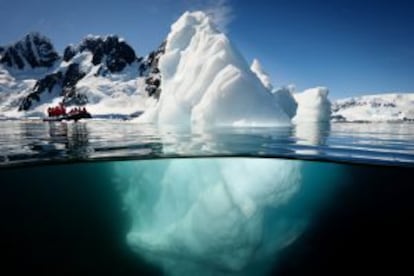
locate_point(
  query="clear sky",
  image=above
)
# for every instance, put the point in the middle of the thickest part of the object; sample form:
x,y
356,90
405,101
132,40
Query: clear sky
x,y
350,46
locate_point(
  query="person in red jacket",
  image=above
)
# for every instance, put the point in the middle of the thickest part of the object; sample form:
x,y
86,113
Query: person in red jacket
x,y
61,109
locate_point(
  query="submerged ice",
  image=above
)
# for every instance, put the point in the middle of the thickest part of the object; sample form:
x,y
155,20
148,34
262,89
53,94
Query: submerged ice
x,y
211,216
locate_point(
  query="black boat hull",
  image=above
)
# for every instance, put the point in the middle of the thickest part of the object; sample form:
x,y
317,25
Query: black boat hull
x,y
74,117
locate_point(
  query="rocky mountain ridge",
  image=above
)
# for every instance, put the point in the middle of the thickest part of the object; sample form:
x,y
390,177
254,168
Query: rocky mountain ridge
x,y
94,56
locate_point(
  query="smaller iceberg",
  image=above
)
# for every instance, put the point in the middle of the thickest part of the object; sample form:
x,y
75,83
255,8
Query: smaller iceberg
x,y
313,105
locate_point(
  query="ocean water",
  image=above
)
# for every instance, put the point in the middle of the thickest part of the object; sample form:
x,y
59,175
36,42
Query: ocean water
x,y
111,198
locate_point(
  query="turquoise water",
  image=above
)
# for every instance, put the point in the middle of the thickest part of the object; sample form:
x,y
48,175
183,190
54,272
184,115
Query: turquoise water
x,y
112,198
173,217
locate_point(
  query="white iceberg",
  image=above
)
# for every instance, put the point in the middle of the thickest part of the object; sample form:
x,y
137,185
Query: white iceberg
x,y
313,105
206,82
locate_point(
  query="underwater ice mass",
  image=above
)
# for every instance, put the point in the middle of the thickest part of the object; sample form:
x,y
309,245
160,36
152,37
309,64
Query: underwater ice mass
x,y
213,216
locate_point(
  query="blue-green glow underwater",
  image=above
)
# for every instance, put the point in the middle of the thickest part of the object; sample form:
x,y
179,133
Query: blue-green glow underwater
x,y
206,216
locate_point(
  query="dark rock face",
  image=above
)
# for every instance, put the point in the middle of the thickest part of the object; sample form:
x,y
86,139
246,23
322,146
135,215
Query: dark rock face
x,y
150,64
45,84
34,50
149,68
73,75
66,81
113,53
69,53
71,78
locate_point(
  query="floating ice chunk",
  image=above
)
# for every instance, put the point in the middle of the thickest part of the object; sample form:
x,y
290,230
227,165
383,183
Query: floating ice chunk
x,y
313,105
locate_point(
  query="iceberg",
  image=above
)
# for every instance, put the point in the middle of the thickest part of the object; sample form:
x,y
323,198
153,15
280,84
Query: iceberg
x,y
313,105
211,216
206,82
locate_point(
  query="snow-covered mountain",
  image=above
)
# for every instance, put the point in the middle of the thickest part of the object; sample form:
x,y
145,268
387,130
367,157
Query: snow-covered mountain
x,y
33,51
21,65
102,73
375,108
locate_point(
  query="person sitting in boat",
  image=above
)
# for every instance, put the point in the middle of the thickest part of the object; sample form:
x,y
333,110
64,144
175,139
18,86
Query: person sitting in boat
x,y
52,111
73,111
56,111
62,109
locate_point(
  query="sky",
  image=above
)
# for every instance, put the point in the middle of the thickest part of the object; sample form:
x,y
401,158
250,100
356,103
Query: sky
x,y
351,46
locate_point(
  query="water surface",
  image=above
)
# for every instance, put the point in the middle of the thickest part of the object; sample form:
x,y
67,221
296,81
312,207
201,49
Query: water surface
x,y
25,142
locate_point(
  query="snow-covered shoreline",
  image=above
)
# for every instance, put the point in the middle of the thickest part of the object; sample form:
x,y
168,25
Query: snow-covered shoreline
x,y
392,107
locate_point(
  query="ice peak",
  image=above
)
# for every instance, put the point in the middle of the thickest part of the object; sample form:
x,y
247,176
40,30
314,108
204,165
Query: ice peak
x,y
207,82
192,19
257,68
186,26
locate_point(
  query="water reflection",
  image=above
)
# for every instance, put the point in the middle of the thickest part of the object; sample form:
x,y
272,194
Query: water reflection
x,y
73,137
36,141
312,134
311,137
58,140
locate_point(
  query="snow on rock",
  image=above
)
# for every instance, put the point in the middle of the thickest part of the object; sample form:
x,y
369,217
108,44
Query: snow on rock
x,y
211,216
118,93
111,52
256,68
206,82
12,89
375,108
313,105
33,51
95,57
101,73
